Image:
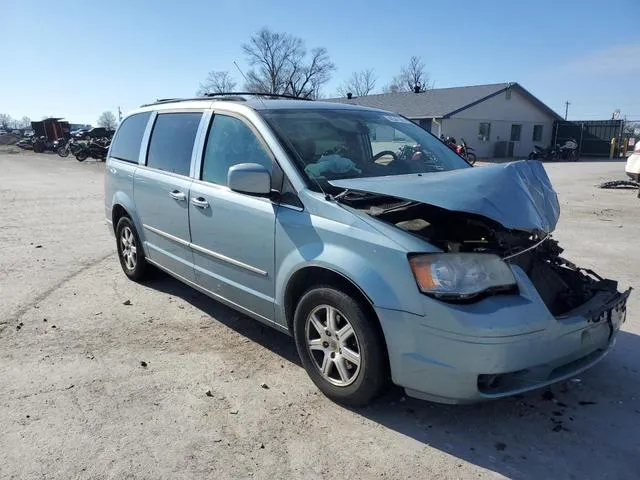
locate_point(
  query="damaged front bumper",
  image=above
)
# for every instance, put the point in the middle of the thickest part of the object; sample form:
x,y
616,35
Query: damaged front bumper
x,y
500,346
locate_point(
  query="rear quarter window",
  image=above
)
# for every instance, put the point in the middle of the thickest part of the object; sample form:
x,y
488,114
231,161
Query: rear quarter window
x,y
128,139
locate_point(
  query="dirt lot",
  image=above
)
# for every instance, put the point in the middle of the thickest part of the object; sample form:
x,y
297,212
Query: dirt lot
x,y
104,378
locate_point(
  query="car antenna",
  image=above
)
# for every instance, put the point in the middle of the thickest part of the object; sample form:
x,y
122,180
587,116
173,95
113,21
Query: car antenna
x,y
247,80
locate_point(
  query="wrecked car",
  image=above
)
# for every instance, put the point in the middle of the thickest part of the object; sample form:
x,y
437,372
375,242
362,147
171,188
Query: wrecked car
x,y
382,252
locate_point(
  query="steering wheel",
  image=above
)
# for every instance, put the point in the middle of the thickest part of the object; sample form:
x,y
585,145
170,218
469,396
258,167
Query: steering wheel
x,y
385,152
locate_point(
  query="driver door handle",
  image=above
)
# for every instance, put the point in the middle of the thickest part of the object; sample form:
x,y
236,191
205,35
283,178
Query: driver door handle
x,y
199,202
177,195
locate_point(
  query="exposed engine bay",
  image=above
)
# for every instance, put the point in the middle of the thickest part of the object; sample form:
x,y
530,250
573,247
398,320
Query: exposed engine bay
x,y
561,285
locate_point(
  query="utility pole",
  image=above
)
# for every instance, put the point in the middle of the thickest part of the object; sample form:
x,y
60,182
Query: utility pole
x,y
566,109
119,115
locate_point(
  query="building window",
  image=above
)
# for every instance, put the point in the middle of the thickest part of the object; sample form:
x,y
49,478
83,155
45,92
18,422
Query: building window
x,y
484,131
516,130
537,133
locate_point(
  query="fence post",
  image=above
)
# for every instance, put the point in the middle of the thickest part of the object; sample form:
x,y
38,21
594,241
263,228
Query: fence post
x,y
581,135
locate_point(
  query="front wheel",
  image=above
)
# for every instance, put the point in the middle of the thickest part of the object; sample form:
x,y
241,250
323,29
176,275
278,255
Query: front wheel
x,y
340,346
82,155
63,152
471,158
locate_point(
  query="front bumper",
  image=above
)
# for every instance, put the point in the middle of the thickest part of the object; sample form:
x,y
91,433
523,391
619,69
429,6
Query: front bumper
x,y
447,367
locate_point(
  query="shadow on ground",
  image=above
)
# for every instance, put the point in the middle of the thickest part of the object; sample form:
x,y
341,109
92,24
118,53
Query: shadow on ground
x,y
582,428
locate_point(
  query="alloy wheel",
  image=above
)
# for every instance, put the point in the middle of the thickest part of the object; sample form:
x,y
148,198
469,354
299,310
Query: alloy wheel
x,y
128,248
333,345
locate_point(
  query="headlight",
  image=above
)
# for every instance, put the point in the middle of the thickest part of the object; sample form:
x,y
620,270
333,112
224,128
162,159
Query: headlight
x,y
460,275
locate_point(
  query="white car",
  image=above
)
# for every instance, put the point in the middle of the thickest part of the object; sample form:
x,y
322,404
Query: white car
x,y
2,131
633,163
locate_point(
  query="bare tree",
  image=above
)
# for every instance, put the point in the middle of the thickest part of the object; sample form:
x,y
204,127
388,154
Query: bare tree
x,y
280,65
217,82
107,120
5,120
359,84
412,75
25,122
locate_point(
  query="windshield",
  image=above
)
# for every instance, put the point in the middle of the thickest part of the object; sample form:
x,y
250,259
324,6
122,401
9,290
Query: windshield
x,y
339,144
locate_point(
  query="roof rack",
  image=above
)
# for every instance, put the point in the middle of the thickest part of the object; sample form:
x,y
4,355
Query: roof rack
x,y
229,96
255,94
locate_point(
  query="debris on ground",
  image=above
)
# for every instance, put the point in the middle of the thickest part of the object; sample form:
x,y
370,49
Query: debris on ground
x,y
233,412
70,387
38,246
143,364
548,395
208,393
500,446
265,386
127,302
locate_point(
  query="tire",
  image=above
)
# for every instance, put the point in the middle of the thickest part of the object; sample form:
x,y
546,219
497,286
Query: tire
x,y
344,381
63,152
133,263
471,158
38,147
82,155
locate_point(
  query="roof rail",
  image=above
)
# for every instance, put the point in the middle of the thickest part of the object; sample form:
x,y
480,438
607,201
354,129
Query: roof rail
x,y
257,94
229,96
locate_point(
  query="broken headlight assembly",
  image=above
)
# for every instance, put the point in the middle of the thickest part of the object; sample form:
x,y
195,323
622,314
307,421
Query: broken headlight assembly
x,y
461,276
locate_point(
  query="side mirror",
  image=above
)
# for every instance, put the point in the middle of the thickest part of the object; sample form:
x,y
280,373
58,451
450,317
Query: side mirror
x,y
251,178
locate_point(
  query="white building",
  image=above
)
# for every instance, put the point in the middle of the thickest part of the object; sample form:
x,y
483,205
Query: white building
x,y
497,120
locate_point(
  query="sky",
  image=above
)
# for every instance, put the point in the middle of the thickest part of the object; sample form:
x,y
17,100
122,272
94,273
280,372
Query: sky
x,y
76,59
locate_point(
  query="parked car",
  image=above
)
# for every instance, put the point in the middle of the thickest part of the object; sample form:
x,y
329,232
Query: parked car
x,y
633,163
3,131
383,266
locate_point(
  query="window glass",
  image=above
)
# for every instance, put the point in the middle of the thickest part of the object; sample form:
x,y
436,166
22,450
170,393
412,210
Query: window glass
x,y
126,143
516,129
230,142
537,133
329,144
484,131
172,140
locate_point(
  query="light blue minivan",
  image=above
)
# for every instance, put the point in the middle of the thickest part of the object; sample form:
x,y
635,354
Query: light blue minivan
x,y
384,254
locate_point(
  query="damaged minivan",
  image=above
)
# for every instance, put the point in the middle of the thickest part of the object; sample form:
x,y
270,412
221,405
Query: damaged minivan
x,y
382,252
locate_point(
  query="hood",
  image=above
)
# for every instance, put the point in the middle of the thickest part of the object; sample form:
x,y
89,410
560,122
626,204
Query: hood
x,y
518,195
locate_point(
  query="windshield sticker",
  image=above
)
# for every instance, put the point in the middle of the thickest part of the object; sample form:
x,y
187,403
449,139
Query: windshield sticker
x,y
396,119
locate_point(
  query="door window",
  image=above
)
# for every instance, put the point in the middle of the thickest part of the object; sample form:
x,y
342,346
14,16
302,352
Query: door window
x,y
126,143
230,141
171,142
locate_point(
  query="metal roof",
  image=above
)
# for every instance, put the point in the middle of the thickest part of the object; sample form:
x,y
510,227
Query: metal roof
x,y
438,102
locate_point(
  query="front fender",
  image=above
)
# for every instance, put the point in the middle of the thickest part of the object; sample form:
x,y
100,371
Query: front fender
x,y
371,261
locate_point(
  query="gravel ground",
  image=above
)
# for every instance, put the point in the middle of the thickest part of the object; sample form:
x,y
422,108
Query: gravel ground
x,y
105,378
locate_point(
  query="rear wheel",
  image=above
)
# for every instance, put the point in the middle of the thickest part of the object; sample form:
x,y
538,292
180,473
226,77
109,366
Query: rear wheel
x,y
82,155
341,349
130,252
63,151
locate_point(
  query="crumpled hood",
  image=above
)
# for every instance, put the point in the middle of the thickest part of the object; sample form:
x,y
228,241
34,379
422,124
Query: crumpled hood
x,y
518,195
